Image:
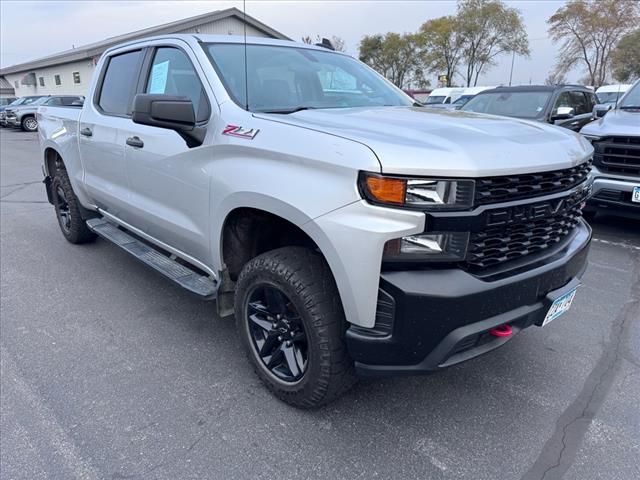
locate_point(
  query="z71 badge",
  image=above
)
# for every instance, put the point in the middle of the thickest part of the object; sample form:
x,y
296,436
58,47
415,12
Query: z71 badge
x,y
235,131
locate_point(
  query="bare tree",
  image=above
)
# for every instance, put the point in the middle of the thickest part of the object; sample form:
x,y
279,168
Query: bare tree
x,y
588,31
555,78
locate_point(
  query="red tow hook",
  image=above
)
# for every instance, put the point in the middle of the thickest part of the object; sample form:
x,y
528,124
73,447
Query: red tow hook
x,y
501,331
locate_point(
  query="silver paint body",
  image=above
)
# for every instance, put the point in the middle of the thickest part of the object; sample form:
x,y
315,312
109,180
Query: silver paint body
x,y
302,167
615,123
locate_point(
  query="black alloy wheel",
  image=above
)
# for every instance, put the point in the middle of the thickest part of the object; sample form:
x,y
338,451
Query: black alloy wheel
x,y
63,210
277,333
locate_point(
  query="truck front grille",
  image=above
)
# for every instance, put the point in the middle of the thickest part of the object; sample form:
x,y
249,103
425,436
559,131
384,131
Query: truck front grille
x,y
529,185
525,235
618,155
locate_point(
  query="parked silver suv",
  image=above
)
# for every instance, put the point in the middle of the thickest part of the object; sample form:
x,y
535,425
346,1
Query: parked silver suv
x,y
24,115
616,140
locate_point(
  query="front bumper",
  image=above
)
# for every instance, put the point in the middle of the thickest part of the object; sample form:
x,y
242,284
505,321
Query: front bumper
x,y
12,122
613,193
441,317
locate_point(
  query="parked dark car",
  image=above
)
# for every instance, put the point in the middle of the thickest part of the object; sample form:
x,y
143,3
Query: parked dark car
x,y
569,106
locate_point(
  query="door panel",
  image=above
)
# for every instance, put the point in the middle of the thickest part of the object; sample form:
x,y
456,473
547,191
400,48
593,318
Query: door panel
x,y
169,197
169,181
101,137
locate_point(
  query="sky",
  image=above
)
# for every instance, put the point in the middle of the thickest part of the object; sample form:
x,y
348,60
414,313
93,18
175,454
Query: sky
x,y
33,29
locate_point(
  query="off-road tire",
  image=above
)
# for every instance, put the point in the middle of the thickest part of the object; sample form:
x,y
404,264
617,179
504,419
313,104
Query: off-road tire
x,y
29,124
305,278
76,231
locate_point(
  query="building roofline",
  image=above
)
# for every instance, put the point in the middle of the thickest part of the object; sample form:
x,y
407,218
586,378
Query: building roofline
x,y
95,49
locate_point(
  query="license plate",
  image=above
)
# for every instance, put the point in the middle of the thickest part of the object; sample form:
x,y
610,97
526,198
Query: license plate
x,y
635,197
560,306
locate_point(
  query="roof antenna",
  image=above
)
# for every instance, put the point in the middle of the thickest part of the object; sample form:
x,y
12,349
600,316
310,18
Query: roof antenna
x,y
246,75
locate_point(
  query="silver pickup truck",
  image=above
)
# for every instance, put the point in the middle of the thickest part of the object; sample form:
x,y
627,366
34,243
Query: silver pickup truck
x,y
348,229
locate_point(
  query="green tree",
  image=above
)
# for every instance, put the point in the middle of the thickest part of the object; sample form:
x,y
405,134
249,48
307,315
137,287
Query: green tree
x,y
441,46
588,31
394,56
488,29
626,57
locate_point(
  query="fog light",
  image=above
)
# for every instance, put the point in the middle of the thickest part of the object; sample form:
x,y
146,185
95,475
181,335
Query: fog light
x,y
437,246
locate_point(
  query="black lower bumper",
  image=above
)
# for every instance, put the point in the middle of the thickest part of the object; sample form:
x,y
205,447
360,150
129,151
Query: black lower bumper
x,y
442,317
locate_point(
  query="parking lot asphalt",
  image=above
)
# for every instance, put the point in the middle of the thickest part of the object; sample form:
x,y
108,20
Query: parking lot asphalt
x,y
109,371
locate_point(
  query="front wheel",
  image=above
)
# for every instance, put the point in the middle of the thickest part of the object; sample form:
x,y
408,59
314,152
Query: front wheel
x,y
291,323
29,124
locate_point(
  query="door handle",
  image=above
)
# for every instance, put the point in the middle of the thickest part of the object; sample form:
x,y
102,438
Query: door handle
x,y
135,142
86,131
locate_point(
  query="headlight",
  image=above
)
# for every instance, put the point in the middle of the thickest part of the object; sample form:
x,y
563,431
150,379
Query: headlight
x,y
441,246
419,193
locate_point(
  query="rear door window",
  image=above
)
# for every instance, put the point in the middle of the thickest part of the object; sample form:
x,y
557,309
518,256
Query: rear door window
x,y
119,83
172,73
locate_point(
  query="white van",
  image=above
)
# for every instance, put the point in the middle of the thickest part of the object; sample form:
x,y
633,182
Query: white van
x,y
441,96
467,94
611,93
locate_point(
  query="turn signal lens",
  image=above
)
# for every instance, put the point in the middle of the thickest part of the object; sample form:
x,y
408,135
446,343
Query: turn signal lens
x,y
387,190
419,193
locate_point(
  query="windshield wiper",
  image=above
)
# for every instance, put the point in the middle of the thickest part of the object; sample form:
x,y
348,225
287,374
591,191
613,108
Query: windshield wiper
x,y
286,111
629,107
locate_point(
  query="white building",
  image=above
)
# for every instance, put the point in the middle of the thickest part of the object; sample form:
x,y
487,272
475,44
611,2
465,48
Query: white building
x,y
70,72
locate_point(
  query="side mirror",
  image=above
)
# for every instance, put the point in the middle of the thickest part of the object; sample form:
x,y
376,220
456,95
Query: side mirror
x,y
600,110
171,112
563,113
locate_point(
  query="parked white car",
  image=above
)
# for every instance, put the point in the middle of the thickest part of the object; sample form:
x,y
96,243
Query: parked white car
x,y
611,93
443,96
467,94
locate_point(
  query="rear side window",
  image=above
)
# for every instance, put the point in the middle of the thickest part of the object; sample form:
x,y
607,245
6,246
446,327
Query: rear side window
x,y
173,74
119,83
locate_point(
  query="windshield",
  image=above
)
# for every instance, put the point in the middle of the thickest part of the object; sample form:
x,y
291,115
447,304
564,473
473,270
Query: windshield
x,y
285,79
463,99
609,97
632,98
28,101
434,99
509,104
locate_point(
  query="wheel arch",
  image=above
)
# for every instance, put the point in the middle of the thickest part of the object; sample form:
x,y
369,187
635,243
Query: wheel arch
x,y
295,221
51,155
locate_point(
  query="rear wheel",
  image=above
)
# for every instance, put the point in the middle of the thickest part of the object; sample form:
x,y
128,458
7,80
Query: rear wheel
x,y
68,209
290,320
29,124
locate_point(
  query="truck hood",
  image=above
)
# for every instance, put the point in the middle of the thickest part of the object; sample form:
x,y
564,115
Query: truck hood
x,y
423,141
615,122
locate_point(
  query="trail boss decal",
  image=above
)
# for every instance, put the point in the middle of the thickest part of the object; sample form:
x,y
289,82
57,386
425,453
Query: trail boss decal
x,y
235,131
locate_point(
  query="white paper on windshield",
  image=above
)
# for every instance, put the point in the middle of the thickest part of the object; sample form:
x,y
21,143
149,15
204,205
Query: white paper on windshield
x,y
159,74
